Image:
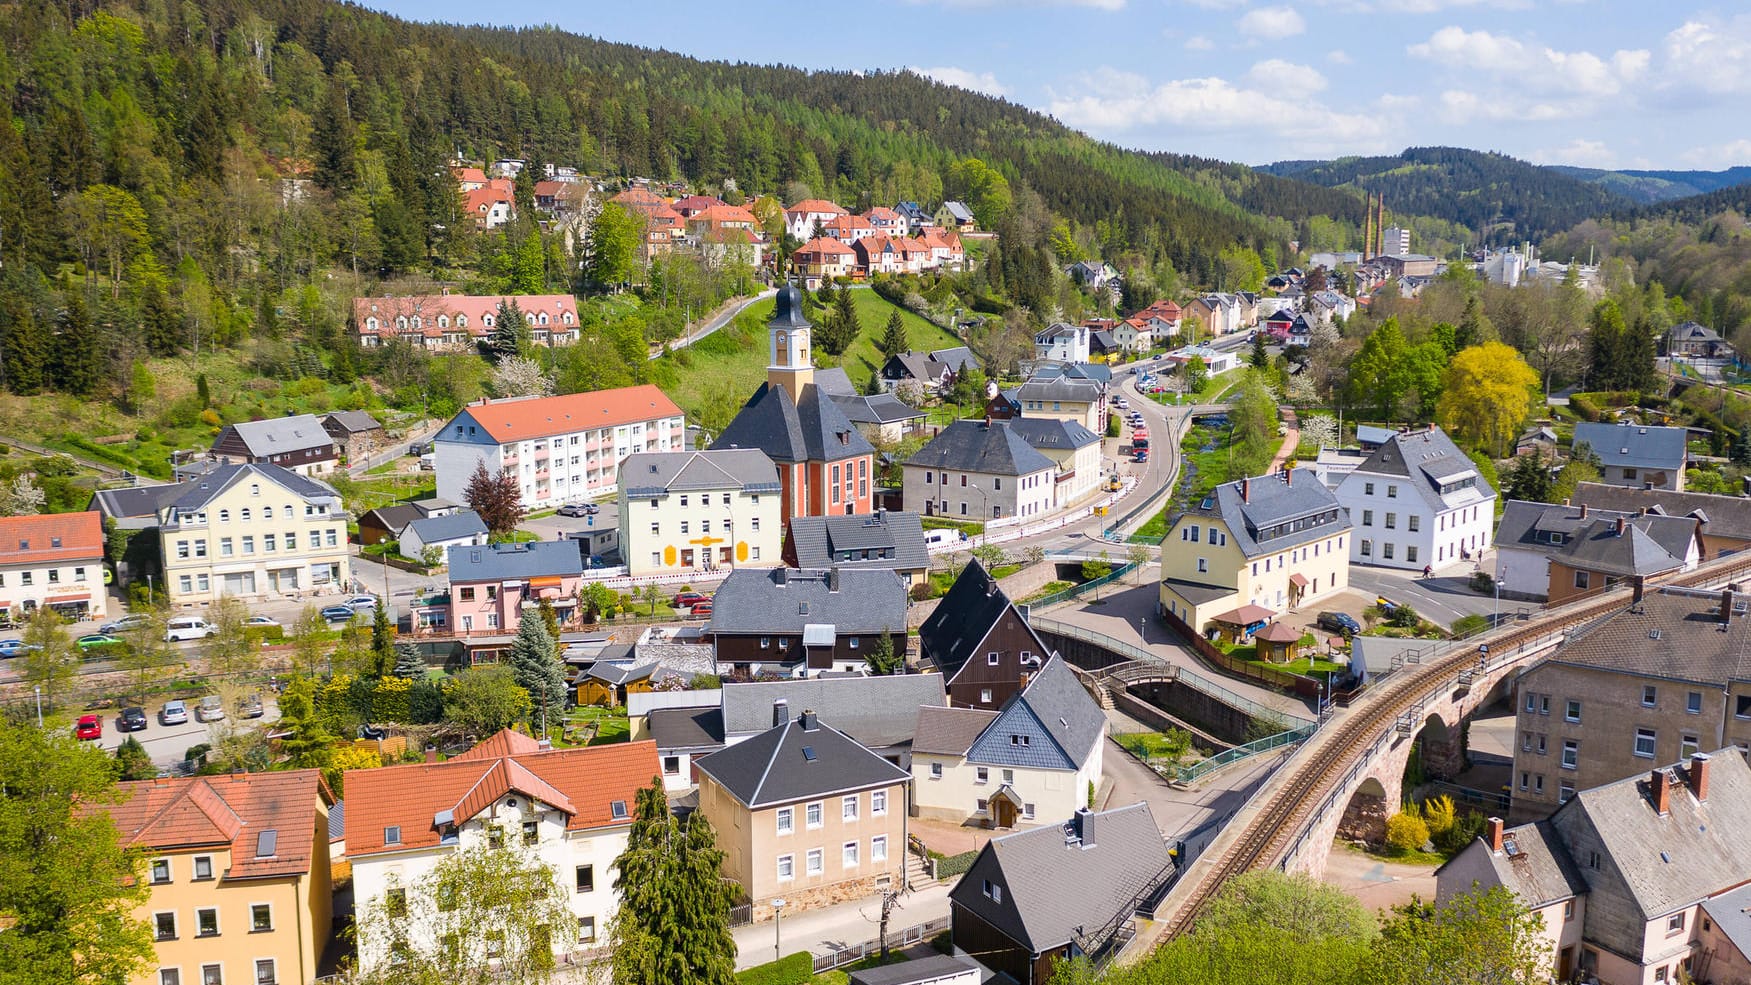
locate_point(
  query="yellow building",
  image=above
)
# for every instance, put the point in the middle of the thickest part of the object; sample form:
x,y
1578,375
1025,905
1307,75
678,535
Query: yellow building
x,y
253,530
693,510
1276,542
238,867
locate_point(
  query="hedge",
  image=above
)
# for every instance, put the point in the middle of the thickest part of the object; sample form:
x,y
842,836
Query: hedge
x,y
1592,405
953,865
792,969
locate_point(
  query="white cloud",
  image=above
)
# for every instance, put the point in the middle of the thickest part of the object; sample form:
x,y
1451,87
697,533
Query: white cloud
x,y
1533,68
1338,56
1459,106
984,82
1275,75
1709,56
1579,152
1111,101
1271,23
1727,155
1198,42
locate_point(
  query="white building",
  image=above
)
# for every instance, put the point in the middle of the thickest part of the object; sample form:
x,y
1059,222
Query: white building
x,y
1395,241
979,470
1072,447
571,809
52,560
1062,343
561,449
1417,501
802,219
695,510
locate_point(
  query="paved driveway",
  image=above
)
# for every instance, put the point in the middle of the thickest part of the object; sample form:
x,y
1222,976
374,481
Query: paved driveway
x,y
1440,599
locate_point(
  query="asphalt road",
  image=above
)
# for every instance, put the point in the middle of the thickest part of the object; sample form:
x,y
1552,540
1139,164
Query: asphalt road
x,y
167,744
1440,599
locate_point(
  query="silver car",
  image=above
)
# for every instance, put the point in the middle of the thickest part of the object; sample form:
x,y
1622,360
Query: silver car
x,y
211,709
173,713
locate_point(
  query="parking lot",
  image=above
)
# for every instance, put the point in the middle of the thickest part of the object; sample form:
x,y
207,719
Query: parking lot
x,y
168,744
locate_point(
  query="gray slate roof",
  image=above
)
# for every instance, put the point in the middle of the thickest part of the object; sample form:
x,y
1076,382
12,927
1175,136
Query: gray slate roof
x,y
139,502
395,518
1692,332
1046,432
812,429
450,526
659,473
1690,646
878,712
915,972
1053,886
1634,446
1093,372
1722,516
514,562
882,408
835,381
352,421
823,541
337,821
788,763
916,366
686,729
950,731
1062,388
197,493
279,435
959,211
1054,703
974,603
1538,868
1430,460
1587,538
1599,546
975,446
1731,912
782,601
1274,515
959,358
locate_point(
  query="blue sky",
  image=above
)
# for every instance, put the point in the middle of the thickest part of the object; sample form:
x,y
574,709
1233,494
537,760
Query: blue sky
x,y
1600,83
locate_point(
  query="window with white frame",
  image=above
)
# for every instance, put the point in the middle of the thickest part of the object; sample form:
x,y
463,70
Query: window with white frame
x,y
786,820
814,861
878,803
812,815
848,855
1645,739
786,868
878,848
848,807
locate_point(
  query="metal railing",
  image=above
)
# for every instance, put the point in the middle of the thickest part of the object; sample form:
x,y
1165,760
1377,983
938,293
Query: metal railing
x,y
915,934
1076,590
1204,767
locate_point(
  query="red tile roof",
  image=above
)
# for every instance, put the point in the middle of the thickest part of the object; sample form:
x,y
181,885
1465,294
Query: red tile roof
x,y
505,743
719,215
561,309
824,246
231,811
639,199
32,539
583,783
848,223
522,419
469,175
816,205
883,213
697,203
481,200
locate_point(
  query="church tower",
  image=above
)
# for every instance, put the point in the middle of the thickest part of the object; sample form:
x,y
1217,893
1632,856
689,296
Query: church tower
x,y
789,366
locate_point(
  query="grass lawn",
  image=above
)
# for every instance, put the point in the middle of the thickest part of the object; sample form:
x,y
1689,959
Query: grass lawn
x,y
1155,745
1300,665
361,495
611,724
730,364
1049,588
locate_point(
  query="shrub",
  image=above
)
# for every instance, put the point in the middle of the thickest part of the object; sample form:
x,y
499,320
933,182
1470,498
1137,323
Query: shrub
x,y
1406,832
792,969
1470,625
954,865
1438,815
1465,830
922,591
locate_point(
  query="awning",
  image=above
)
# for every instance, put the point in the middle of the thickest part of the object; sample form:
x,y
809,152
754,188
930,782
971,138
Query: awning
x,y
70,597
550,593
5,605
546,581
1298,580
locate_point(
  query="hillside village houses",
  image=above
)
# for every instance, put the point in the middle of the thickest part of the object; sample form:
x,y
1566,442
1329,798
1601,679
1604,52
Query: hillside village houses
x,y
493,586
692,510
561,449
980,642
297,442
1555,552
1641,457
984,470
459,322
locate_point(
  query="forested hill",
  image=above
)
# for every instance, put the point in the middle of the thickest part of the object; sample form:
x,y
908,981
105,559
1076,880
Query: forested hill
x,y
1649,187
1500,198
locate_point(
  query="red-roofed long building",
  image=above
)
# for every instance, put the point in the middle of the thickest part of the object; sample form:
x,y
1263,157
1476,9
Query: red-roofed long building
x,y
457,322
53,560
238,871
560,448
572,808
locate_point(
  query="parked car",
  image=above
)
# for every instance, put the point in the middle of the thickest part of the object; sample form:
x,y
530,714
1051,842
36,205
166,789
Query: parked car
x,y
174,712
338,613
1338,622
249,706
419,448
123,624
687,600
96,641
188,628
16,647
88,727
573,509
261,621
361,603
211,709
1141,456
701,608
132,720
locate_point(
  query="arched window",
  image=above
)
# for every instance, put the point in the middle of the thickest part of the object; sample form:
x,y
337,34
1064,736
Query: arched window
x,y
371,324
461,321
486,320
542,319
417,322
566,317
443,321
529,316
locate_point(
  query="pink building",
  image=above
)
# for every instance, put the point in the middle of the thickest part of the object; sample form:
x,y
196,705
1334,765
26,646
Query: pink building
x,y
493,587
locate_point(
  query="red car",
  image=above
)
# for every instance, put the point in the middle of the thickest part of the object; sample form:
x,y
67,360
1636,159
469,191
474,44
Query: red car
x,y
702,608
88,727
687,600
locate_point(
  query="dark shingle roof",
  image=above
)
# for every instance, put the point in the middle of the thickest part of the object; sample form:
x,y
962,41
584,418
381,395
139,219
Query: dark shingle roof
x,y
788,763
352,421
1056,886
1070,388
883,408
658,473
975,446
279,435
1602,546
686,729
1586,537
823,541
138,502
1431,460
1722,516
197,493
1273,515
1634,446
1689,645
781,600
876,711
956,359
950,731
394,518
962,619
1045,432
449,526
813,429
497,562
1054,702
918,970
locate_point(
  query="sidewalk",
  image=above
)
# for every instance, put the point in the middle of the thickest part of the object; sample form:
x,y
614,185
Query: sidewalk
x,y
829,928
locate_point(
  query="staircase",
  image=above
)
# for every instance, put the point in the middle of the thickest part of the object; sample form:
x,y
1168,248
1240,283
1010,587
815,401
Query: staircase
x,y
917,871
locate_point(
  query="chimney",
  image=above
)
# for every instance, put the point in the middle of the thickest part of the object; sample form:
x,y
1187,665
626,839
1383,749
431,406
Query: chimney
x,y
1698,776
833,579
1727,604
809,723
1493,831
431,753
1660,789
1621,524
1583,511
1085,826
1639,584
1288,476
780,712
782,575
544,744
1246,490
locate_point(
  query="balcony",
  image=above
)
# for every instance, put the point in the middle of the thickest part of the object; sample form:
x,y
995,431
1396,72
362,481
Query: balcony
x,y
508,460
1064,477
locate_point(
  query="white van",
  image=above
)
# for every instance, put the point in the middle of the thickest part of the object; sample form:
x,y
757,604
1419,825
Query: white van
x,y
188,628
942,535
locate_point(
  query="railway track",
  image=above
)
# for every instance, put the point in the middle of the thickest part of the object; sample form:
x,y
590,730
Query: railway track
x,y
1290,807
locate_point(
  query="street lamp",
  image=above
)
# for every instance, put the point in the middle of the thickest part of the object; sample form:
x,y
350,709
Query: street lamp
x,y
777,909
39,705
383,542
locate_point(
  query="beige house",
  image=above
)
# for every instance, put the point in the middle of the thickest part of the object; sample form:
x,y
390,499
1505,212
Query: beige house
x,y
238,867
1064,398
805,814
252,531
690,510
1273,543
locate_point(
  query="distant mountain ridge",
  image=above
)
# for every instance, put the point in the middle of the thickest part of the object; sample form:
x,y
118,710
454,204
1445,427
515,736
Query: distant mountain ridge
x,y
1648,187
